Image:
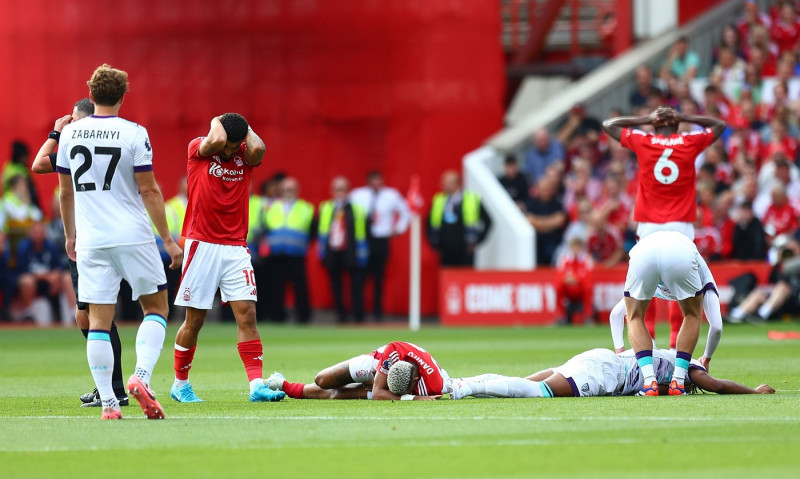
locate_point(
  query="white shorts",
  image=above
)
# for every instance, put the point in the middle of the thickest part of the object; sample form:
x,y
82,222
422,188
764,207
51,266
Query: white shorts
x,y
363,368
668,257
208,267
598,372
100,271
706,279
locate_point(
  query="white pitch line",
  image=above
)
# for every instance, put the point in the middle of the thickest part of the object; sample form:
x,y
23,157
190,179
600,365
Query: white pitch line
x,y
440,418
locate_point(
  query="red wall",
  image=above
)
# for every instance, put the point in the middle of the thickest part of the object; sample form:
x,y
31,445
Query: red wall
x,y
688,10
333,87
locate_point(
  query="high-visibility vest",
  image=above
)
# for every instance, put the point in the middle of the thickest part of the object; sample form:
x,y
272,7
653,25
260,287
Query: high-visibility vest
x,y
254,217
175,209
289,234
326,210
470,213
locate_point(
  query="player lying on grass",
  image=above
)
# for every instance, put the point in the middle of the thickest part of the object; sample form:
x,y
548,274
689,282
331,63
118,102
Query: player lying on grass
x,y
710,307
597,372
367,377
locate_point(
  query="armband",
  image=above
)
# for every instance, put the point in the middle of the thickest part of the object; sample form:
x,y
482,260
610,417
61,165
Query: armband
x,y
407,397
55,135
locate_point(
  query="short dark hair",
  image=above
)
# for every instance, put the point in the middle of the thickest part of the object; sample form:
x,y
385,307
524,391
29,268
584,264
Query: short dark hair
x,y
85,106
19,150
374,174
235,126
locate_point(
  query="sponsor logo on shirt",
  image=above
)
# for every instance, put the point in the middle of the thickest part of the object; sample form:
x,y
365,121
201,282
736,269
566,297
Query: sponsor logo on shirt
x,y
226,174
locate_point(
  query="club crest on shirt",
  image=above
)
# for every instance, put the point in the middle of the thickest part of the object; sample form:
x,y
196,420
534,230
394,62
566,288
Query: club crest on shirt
x,y
238,161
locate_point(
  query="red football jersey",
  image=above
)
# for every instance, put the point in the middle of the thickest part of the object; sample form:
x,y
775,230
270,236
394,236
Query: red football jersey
x,y
666,190
431,381
218,191
782,218
576,268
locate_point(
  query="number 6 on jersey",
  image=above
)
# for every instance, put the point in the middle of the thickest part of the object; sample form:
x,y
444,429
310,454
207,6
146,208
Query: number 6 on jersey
x,y
664,163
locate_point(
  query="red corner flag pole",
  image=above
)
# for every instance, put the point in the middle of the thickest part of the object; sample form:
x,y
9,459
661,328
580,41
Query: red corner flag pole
x,y
415,204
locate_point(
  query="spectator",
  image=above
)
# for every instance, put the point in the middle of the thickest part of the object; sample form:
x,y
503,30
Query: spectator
x,y
19,211
644,87
605,241
780,142
614,203
728,69
573,285
18,166
580,185
257,239
681,62
785,31
707,239
7,279
388,216
752,17
547,216
729,39
578,123
457,222
343,246
544,152
289,229
780,217
752,88
723,222
514,182
579,227
762,53
40,273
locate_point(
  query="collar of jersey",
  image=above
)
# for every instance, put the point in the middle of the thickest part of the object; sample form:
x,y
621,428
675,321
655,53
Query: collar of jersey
x,y
103,116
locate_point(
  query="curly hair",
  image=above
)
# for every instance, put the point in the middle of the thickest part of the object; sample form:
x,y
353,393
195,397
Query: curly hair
x,y
235,126
85,106
108,85
400,376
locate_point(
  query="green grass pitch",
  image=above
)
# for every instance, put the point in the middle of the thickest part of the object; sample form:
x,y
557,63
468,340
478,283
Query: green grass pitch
x,y
43,432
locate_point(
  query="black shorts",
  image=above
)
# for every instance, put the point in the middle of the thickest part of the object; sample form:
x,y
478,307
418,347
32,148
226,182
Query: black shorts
x,y
73,272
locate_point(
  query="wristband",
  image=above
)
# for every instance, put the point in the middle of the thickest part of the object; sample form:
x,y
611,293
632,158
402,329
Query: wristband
x,y
55,135
407,397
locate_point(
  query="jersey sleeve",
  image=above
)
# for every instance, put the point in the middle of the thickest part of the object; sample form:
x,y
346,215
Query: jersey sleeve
x,y
389,356
631,138
142,151
701,139
194,148
62,160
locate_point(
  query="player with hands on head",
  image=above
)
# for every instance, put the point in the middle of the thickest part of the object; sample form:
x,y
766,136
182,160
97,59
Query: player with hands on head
x,y
215,227
665,212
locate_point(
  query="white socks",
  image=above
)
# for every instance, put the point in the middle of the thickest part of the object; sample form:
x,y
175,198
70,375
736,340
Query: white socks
x,y
149,342
101,362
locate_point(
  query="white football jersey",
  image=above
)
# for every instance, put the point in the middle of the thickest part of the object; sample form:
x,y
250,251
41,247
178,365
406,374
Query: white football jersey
x,y
101,154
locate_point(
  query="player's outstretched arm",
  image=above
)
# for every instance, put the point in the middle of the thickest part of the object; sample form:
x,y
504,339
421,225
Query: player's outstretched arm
x,y
154,204
41,163
613,126
717,126
616,321
216,139
707,382
254,152
712,309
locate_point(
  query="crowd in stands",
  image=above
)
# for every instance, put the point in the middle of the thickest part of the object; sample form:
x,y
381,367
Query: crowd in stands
x,y
577,186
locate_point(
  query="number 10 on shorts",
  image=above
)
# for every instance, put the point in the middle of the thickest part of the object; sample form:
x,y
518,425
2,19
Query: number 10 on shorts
x,y
249,277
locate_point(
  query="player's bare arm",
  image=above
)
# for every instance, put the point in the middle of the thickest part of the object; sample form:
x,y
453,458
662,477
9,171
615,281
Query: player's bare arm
x,y
41,163
254,152
216,139
154,204
66,199
706,382
717,126
614,126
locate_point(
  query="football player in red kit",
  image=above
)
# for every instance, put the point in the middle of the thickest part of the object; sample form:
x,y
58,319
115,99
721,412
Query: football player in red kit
x,y
665,211
365,377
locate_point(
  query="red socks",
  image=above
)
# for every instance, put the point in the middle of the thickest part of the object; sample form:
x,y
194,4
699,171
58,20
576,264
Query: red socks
x,y
293,390
183,363
251,353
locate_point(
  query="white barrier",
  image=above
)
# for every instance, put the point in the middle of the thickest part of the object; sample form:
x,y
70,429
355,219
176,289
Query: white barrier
x,y
510,244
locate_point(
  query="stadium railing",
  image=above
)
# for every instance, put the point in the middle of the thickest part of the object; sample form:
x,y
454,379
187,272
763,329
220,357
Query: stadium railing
x,y
605,88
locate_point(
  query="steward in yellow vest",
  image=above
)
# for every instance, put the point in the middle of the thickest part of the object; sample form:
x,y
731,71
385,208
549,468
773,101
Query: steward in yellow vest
x,y
457,222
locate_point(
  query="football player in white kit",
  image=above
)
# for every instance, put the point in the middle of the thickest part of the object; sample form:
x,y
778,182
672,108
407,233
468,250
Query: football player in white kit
x,y
710,306
597,372
107,189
